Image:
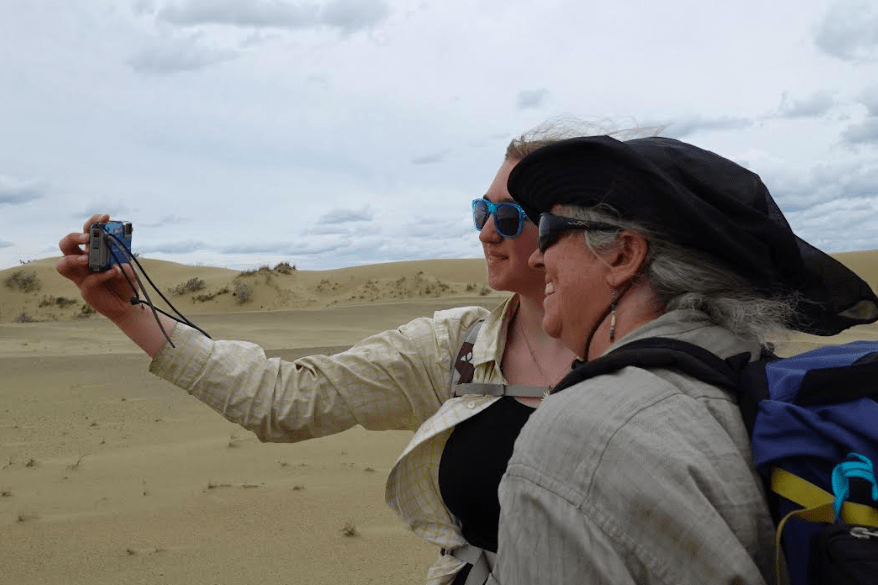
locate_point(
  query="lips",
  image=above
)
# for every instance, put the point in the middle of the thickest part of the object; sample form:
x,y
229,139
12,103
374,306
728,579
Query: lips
x,y
550,288
492,256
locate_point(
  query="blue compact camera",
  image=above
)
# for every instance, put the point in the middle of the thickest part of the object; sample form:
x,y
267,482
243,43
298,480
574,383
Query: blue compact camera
x,y
109,243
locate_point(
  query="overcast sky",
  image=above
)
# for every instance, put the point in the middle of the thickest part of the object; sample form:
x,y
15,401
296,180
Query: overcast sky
x,y
330,133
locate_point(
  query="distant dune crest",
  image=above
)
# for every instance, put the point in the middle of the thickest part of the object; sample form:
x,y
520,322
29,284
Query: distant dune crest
x,y
35,292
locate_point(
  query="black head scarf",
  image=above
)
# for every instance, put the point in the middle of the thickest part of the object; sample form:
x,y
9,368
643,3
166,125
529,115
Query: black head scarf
x,y
699,200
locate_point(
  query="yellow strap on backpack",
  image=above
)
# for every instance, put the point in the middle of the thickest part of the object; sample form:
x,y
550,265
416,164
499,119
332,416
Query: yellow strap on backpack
x,y
818,505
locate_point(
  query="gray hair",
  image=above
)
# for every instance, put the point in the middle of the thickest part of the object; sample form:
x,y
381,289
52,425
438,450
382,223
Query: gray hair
x,y
685,278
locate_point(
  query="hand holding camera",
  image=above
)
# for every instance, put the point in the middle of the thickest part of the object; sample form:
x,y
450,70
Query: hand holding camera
x,y
106,289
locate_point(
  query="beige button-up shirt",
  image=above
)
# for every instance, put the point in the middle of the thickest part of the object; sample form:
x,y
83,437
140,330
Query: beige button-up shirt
x,y
398,379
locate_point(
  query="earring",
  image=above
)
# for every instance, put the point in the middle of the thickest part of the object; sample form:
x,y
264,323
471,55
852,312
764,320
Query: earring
x,y
613,317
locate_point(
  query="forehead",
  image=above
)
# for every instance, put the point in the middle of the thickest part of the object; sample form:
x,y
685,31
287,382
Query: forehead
x,y
498,192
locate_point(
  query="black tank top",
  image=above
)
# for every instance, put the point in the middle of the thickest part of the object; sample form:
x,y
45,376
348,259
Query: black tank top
x,y
472,464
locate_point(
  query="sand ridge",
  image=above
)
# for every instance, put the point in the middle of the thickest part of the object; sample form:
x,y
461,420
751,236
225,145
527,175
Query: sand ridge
x,y
36,292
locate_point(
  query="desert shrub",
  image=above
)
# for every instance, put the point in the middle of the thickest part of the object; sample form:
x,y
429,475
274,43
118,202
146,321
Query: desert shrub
x,y
243,293
190,286
23,281
24,318
485,291
350,529
60,302
85,311
203,298
285,268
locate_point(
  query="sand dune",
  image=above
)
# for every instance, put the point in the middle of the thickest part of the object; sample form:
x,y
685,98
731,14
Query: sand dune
x,y
36,292
109,475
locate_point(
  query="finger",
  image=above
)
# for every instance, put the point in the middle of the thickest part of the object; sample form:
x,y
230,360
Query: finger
x,y
70,244
101,217
72,267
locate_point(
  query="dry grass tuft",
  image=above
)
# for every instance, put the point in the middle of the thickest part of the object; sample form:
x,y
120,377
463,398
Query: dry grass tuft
x,y
349,529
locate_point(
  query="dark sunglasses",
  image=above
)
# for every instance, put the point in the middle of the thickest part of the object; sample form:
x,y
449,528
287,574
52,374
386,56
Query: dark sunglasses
x,y
553,227
509,217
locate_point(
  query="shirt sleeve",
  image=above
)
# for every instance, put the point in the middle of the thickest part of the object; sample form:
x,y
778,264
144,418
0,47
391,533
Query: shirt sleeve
x,y
392,380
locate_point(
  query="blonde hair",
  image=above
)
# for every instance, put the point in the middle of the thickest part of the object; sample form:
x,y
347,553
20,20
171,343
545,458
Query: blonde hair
x,y
566,126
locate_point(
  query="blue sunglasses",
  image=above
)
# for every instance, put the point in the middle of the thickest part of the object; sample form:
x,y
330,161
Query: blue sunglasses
x,y
509,217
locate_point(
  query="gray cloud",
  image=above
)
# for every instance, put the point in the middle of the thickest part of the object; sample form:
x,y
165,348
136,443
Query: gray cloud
x,y
167,221
866,132
429,159
849,32
341,216
235,13
179,247
114,210
14,192
869,98
347,16
531,99
350,16
691,125
6,244
812,106
176,54
799,192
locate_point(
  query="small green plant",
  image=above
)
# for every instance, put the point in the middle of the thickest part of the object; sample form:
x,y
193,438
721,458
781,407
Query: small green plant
x,y
23,281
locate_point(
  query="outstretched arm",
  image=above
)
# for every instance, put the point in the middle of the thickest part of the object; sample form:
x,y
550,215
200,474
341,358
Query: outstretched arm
x,y
109,293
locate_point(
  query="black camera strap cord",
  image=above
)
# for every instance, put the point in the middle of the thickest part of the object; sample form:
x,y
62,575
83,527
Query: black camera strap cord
x,y
136,300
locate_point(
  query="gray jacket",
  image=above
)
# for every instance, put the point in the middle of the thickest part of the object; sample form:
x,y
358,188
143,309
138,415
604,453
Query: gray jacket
x,y
637,477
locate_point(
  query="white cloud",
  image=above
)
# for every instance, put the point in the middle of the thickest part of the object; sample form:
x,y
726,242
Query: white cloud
x,y
231,132
849,31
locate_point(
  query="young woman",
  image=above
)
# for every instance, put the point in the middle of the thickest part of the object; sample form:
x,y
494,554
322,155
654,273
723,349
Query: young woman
x,y
445,482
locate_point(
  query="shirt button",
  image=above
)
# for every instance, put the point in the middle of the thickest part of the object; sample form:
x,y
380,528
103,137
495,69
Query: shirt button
x,y
471,405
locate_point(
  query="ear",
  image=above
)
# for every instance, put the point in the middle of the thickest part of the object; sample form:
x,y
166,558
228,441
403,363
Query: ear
x,y
626,259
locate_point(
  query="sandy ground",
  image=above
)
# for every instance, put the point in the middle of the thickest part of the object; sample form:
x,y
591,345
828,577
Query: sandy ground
x,y
109,475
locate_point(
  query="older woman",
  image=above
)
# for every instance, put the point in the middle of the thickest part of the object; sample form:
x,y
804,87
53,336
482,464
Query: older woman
x,y
645,476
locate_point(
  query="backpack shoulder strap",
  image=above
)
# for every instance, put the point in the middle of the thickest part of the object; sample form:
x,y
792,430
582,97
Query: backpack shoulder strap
x,y
462,373
736,375
658,352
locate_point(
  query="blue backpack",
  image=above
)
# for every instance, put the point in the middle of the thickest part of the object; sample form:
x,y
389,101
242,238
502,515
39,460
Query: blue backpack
x,y
813,422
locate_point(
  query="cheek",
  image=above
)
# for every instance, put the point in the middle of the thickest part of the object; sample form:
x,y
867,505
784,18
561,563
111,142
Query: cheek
x,y
526,243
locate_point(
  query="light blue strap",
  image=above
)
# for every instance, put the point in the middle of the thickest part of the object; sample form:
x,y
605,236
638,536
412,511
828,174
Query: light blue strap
x,y
856,466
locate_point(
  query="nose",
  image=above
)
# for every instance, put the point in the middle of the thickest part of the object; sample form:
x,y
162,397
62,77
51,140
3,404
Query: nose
x,y
536,260
488,233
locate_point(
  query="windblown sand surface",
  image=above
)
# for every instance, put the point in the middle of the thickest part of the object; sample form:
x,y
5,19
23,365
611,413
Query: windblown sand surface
x,y
109,475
